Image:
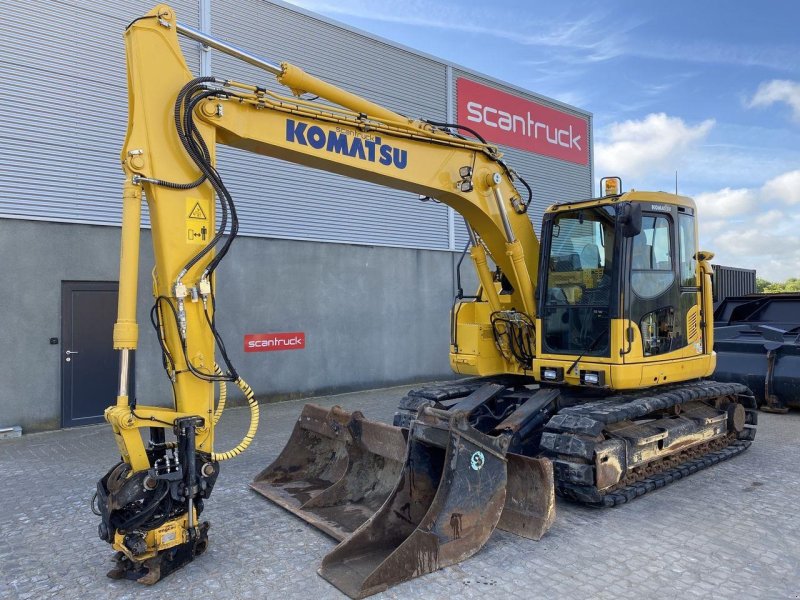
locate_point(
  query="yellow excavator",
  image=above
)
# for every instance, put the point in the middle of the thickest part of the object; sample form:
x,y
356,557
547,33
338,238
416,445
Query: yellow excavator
x,y
585,352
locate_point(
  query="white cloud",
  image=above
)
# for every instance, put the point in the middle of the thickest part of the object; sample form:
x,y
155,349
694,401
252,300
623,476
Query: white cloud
x,y
784,188
726,203
754,228
771,218
653,145
778,90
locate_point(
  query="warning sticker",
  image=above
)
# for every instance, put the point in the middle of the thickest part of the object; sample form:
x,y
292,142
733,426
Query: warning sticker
x,y
198,223
197,212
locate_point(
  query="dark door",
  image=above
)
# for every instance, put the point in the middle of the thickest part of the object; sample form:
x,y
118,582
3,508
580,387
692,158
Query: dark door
x,y
89,363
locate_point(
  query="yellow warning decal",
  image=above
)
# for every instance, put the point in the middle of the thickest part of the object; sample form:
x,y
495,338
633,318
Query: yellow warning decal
x,y
197,212
198,223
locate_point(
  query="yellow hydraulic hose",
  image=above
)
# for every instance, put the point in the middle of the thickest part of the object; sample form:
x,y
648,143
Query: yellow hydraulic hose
x,y
223,396
251,431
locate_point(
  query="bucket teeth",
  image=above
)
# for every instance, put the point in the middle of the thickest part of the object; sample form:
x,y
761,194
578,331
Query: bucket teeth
x,y
336,469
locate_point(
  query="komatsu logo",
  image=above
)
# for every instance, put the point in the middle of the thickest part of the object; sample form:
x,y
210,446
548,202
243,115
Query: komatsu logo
x,y
346,142
661,207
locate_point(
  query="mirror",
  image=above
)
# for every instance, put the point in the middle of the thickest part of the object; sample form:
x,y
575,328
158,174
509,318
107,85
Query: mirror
x,y
629,216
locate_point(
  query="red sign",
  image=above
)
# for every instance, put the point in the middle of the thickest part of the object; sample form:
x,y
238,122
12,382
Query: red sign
x,y
269,342
513,121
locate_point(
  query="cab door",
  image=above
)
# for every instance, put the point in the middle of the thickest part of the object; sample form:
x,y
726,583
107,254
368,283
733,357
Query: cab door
x,y
663,293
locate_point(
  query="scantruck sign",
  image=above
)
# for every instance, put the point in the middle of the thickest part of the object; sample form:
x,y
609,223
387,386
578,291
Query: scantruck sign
x,y
269,342
514,121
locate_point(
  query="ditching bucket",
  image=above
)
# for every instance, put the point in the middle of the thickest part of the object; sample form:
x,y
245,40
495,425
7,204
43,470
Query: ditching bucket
x,y
456,486
336,470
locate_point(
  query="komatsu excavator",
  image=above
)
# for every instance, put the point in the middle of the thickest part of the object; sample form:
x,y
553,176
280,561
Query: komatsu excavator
x,y
586,352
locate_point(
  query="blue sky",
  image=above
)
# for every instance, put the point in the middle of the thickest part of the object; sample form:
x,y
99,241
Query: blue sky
x,y
708,88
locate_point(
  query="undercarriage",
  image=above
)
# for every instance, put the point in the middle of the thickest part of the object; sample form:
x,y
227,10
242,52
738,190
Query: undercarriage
x,y
610,450
466,457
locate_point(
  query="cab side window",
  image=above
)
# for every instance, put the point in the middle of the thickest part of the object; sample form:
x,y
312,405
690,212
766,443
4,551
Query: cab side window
x,y
652,273
688,247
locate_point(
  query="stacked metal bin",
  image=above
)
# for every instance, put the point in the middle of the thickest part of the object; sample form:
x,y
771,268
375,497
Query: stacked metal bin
x,y
757,340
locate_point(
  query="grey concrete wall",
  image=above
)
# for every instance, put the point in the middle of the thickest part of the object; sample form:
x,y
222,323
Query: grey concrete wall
x,y
373,316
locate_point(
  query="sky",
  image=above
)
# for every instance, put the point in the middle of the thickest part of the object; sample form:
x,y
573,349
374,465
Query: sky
x,y
709,89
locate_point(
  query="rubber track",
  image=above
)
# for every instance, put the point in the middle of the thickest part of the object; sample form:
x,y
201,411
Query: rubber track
x,y
588,420
654,482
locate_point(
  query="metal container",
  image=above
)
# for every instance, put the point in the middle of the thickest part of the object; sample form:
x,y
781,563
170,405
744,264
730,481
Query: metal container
x,y
757,341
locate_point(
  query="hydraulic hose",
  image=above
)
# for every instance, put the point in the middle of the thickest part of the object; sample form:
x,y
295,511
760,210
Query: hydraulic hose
x,y
223,395
251,432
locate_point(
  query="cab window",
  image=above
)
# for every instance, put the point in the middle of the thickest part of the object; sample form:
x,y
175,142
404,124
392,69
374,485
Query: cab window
x,y
688,248
651,261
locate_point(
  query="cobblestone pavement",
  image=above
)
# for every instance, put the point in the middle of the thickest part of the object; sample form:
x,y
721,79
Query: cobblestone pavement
x,y
731,531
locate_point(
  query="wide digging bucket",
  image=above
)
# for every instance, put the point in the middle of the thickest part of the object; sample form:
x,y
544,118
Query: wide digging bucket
x,y
336,470
450,496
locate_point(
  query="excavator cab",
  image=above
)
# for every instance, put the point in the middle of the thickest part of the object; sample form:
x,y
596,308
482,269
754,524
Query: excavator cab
x,y
620,293
620,288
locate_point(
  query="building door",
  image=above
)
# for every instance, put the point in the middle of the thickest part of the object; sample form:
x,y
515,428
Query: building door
x,y
89,363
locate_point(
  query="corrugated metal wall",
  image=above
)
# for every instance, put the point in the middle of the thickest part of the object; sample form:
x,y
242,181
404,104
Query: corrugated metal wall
x,y
63,118
552,180
733,281
284,200
63,106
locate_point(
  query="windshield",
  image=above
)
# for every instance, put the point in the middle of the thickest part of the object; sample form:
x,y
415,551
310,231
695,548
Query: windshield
x,y
579,277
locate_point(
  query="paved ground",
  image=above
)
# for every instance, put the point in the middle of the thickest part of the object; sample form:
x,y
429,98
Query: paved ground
x,y
732,531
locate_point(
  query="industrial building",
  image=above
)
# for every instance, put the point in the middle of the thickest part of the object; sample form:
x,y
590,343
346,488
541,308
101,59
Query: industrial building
x,y
361,274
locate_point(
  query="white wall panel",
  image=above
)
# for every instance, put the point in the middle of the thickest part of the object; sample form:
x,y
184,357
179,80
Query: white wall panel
x,y
63,106
278,199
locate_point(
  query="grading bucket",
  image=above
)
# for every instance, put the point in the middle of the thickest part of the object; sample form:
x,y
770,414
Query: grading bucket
x,y
336,469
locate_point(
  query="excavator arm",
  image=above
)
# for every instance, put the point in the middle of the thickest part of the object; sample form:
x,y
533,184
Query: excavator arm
x,y
151,501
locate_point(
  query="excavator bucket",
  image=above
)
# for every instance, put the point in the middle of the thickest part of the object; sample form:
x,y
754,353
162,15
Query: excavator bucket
x,y
457,484
336,469
530,507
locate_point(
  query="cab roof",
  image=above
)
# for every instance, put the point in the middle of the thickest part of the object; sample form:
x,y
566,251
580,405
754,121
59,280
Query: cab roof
x,y
631,196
